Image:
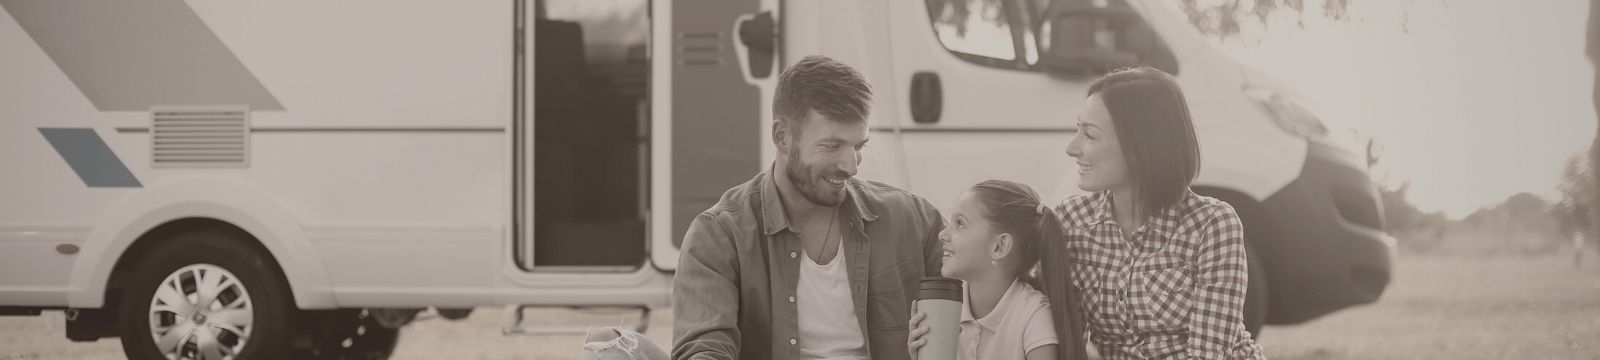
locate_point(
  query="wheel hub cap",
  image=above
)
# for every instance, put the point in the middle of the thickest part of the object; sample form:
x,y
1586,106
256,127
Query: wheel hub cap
x,y
201,311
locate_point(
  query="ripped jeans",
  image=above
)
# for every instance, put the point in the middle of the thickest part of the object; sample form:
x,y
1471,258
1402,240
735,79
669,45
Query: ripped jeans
x,y
629,345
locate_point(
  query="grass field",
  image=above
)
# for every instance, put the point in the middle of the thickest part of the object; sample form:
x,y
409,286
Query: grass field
x,y
1436,308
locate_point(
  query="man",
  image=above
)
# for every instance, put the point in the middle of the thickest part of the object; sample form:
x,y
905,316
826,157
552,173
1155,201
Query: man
x,y
804,261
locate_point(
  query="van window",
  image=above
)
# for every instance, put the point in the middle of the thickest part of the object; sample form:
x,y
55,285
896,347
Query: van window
x,y
998,33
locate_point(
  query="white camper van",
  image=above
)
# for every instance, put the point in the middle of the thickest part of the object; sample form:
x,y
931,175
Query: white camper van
x,y
198,176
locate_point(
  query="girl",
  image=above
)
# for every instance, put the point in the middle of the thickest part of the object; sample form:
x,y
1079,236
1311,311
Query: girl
x,y
1159,271
992,243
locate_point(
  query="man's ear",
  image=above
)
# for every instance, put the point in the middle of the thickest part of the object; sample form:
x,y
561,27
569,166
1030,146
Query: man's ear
x,y
780,133
1002,247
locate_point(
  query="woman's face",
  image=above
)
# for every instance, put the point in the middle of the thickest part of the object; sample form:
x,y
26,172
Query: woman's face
x,y
1101,165
968,239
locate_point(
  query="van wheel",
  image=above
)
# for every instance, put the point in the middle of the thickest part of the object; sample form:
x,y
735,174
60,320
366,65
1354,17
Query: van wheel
x,y
1255,298
454,314
205,294
347,334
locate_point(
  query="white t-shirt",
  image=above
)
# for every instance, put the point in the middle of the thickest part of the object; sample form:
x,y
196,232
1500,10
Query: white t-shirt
x,y
828,326
1019,323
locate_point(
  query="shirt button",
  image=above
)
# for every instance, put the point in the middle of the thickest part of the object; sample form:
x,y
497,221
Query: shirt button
x,y
791,299
793,254
792,341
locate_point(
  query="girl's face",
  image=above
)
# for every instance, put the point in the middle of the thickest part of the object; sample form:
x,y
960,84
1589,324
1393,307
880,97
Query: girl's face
x,y
970,241
1101,165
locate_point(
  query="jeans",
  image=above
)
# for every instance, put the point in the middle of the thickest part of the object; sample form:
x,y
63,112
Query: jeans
x,y
629,345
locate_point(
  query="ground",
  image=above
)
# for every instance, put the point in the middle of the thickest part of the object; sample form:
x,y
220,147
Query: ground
x,y
1436,308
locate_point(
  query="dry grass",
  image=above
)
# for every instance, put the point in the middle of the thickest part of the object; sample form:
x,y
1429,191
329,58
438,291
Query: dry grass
x,y
1436,308
1462,308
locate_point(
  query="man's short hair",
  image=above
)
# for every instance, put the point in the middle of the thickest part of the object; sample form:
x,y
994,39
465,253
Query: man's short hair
x,y
822,84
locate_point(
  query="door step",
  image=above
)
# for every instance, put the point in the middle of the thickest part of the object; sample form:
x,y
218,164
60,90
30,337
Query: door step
x,y
518,328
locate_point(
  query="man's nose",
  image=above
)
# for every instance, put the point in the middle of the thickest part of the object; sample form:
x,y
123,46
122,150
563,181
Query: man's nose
x,y
852,164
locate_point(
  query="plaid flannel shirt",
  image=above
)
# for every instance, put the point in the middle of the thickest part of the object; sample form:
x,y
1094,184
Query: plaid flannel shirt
x,y
1174,289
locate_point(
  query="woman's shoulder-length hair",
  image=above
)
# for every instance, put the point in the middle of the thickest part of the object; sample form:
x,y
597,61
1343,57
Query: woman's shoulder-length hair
x,y
1157,135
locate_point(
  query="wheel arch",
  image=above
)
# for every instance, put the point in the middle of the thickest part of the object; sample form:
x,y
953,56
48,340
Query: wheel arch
x,y
139,223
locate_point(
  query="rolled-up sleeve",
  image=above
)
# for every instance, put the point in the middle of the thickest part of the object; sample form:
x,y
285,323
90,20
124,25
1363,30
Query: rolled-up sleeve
x,y
1216,324
705,294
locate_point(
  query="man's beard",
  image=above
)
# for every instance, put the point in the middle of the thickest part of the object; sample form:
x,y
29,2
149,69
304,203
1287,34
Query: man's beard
x,y
809,186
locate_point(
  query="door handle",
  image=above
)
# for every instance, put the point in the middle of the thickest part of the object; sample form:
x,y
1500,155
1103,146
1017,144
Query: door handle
x,y
759,34
927,97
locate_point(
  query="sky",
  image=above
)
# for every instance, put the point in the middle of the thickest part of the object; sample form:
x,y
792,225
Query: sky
x,y
1472,100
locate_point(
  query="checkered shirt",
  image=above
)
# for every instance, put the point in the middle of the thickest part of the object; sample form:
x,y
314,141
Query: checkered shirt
x,y
1174,289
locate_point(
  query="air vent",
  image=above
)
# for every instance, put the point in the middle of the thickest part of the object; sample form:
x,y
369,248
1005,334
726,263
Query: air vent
x,y
200,137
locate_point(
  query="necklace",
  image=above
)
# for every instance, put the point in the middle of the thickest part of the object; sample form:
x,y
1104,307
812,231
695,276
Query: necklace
x,y
828,236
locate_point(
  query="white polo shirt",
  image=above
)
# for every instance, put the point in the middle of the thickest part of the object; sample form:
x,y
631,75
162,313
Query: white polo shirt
x,y
1020,323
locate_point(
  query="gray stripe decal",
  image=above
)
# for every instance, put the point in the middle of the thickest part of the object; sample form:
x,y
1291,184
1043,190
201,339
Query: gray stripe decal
x,y
89,156
131,55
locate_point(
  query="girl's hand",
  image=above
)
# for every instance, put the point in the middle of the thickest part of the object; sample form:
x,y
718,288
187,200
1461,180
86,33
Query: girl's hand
x,y
915,341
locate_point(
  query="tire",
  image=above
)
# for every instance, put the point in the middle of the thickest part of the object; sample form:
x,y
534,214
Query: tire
x,y
454,314
206,294
347,334
1255,298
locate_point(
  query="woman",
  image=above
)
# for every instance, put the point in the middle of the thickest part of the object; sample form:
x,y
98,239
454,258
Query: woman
x,y
1158,271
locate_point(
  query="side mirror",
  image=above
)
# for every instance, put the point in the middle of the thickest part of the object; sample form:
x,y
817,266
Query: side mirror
x,y
1080,41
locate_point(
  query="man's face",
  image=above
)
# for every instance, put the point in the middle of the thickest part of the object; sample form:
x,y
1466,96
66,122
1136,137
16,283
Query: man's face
x,y
823,156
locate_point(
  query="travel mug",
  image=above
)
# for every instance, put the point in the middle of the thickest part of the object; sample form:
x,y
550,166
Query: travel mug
x,y
940,298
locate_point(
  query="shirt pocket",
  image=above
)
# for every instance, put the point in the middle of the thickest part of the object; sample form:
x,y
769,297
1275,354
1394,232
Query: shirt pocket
x,y
1161,299
889,305
1098,299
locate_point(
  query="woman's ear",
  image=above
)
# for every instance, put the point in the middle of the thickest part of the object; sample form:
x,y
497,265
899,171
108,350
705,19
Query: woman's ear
x,y
1002,247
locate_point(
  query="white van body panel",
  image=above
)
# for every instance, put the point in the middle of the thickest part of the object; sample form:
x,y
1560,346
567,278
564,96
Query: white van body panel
x,y
1026,117
392,147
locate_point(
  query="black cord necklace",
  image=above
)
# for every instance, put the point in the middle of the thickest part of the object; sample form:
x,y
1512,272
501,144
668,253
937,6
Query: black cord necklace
x,y
828,236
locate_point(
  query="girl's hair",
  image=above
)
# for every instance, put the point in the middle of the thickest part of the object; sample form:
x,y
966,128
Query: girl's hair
x,y
1157,135
1036,236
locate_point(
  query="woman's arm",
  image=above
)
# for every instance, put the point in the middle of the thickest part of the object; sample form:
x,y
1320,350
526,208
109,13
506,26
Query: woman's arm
x,y
1216,323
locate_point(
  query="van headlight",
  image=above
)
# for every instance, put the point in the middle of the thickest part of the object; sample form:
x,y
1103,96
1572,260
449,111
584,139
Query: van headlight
x,y
1287,111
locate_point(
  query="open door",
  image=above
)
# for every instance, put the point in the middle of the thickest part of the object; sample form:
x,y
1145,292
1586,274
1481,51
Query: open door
x,y
583,154
710,119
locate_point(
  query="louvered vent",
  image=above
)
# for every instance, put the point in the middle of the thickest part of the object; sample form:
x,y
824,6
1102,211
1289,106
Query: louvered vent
x,y
200,136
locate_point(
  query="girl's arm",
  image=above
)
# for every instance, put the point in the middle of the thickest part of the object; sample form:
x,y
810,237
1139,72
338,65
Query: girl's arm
x,y
1047,352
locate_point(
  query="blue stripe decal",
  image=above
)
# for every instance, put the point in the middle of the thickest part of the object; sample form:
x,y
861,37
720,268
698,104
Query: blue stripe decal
x,y
132,55
89,156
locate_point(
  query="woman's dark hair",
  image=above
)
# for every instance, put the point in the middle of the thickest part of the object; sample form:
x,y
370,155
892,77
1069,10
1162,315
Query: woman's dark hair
x,y
1152,122
1036,236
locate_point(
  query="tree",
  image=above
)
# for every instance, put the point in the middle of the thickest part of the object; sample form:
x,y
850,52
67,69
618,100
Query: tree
x,y
1575,212
1223,18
